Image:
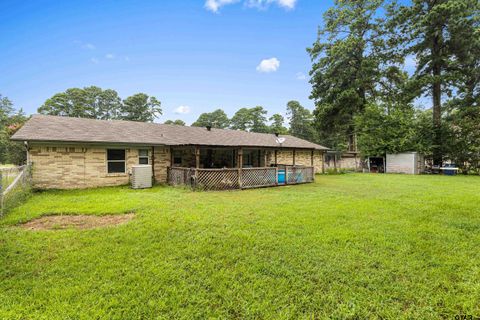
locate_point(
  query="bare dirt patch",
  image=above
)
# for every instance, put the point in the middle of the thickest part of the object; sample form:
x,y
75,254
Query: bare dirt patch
x,y
76,222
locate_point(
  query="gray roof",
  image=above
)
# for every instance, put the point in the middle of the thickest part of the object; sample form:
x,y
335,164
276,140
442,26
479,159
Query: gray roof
x,y
66,129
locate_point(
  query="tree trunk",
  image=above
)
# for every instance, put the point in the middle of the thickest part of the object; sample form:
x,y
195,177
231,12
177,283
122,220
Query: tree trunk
x,y
437,101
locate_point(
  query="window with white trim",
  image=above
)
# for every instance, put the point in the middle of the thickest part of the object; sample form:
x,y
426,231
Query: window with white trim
x,y
143,156
116,161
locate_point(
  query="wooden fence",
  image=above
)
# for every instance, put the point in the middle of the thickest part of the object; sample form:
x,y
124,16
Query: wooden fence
x,y
15,183
245,178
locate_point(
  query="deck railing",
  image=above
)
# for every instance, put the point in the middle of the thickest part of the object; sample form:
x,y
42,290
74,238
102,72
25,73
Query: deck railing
x,y
235,178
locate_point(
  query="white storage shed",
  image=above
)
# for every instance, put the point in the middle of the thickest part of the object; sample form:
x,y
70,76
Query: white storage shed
x,y
407,162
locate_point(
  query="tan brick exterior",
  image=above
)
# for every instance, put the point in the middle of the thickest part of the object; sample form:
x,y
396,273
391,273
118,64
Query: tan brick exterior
x,y
302,158
82,166
74,166
346,161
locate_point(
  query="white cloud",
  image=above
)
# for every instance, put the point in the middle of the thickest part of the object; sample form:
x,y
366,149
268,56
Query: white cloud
x,y
215,5
289,4
263,4
182,110
94,60
110,56
300,76
84,45
89,46
268,65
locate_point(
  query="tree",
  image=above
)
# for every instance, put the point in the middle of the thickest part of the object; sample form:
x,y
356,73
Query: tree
x,y
241,120
105,103
96,103
348,57
177,122
10,122
276,125
140,107
250,119
215,119
437,33
300,121
6,110
463,111
381,131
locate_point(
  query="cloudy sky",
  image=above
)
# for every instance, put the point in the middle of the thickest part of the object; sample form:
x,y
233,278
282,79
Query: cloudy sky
x,y
195,56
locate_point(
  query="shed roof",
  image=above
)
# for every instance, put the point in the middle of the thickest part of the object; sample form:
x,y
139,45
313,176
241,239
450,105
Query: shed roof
x,y
67,129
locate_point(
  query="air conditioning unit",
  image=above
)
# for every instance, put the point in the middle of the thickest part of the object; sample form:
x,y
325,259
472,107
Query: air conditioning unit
x,y
141,176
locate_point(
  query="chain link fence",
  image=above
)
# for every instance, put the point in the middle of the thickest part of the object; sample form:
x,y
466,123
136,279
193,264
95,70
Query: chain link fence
x,y
15,186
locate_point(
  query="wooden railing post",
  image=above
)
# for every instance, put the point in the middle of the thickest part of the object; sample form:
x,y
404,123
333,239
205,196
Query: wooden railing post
x,y
197,157
240,165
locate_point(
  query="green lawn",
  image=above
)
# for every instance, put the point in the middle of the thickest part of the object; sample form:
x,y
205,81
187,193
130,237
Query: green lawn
x,y
347,246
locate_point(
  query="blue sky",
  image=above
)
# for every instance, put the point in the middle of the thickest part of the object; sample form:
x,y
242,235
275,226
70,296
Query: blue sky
x,y
199,55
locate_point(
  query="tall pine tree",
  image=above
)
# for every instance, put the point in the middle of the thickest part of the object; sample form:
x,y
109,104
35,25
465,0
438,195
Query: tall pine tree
x,y
348,62
434,31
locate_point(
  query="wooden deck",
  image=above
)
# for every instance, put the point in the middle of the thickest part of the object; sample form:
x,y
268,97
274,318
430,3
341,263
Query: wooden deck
x,y
239,178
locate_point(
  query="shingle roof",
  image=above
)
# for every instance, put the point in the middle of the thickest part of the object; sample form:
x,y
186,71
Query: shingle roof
x,y
65,129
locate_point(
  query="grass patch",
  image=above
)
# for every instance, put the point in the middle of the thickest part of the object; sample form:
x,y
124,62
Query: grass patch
x,y
76,221
347,246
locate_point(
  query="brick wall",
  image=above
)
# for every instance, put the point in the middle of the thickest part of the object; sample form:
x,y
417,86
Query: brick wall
x,y
346,161
74,166
70,167
302,158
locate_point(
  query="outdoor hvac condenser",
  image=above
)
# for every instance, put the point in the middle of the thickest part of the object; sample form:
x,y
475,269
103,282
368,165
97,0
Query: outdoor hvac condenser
x,y
141,176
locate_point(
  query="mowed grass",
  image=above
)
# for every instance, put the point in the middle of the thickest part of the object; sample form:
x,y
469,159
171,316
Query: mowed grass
x,y
347,246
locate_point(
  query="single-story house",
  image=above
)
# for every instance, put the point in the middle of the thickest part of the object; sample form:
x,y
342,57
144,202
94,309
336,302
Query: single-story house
x,y
68,153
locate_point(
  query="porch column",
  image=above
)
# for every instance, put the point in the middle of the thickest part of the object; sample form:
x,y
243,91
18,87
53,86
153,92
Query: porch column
x,y
153,165
240,165
311,158
240,158
323,161
294,152
197,157
276,158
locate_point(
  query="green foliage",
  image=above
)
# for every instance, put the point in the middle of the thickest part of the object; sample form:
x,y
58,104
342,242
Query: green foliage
x,y
443,36
10,121
177,122
331,171
96,103
216,119
250,119
301,121
140,107
380,132
349,58
241,120
355,246
463,144
276,125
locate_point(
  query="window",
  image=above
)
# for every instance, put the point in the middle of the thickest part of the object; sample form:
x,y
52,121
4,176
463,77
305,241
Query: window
x,y
177,158
116,160
143,156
